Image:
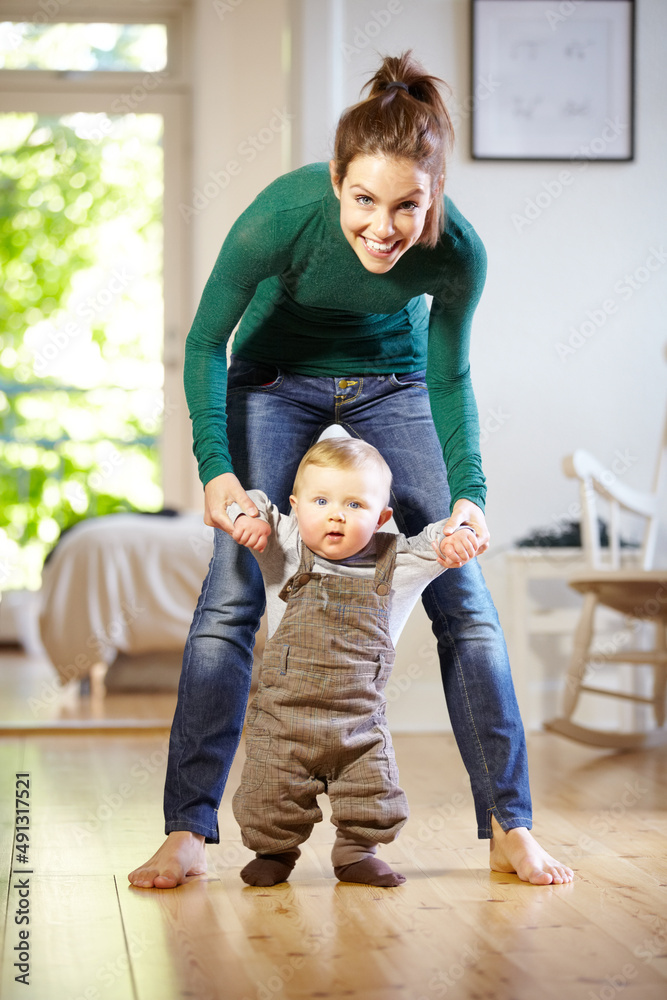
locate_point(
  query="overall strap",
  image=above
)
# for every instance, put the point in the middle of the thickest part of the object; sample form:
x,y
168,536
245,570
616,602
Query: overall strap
x,y
307,559
385,547
302,575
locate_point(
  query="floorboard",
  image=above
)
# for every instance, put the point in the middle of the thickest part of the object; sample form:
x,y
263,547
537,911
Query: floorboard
x,y
454,929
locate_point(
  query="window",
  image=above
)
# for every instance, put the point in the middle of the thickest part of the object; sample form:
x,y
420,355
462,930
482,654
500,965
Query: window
x,y
87,172
83,47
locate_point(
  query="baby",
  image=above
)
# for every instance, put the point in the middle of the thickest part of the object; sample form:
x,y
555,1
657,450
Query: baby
x,y
317,723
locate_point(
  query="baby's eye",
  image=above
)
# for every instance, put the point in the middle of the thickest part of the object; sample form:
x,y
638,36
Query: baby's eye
x,y
321,502
354,504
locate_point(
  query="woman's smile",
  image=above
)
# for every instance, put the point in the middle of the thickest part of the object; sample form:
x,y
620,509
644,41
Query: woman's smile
x,y
379,249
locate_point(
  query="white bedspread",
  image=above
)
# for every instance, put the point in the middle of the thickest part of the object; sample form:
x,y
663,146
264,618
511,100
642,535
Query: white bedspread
x,y
124,583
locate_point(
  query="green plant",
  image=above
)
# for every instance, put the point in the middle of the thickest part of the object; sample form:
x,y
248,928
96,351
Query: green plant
x,y
80,327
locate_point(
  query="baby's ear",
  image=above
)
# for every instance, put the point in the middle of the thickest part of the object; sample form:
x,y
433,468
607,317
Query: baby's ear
x,y
293,501
384,517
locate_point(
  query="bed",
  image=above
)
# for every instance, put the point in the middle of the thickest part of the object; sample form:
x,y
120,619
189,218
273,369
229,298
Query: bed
x,y
120,590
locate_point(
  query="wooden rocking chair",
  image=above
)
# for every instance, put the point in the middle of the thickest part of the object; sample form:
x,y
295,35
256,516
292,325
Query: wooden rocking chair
x,y
638,593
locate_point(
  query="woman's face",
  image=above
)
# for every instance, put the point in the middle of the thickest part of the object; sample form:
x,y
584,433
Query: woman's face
x,y
383,206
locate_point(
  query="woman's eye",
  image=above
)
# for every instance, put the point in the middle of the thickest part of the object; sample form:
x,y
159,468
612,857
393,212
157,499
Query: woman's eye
x,y
365,199
409,206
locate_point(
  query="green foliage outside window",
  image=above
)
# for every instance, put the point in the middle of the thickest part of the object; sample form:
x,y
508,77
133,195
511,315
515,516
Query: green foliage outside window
x,y
80,326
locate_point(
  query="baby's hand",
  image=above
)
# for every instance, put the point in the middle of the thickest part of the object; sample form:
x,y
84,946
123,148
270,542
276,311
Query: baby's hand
x,y
456,549
252,532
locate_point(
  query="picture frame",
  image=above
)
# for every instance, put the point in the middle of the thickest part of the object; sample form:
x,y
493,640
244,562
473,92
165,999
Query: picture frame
x,y
553,80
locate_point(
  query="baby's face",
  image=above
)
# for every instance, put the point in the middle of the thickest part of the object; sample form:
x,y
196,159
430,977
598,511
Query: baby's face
x,y
339,510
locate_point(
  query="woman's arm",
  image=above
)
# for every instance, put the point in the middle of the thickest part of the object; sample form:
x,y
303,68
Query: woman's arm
x,y
248,255
451,394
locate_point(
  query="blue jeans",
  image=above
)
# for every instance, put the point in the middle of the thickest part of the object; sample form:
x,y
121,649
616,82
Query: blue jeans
x,y
273,418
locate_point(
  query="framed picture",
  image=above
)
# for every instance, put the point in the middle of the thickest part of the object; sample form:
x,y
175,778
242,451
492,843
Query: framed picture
x,y
552,79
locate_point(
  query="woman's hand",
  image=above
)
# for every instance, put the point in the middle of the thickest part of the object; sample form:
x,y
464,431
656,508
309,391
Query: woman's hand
x,y
219,493
457,547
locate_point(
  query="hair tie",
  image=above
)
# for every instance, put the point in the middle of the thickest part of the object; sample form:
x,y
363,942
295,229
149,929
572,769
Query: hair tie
x,y
395,84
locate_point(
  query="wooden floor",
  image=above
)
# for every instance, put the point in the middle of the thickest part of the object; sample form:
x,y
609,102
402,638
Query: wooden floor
x,y
453,930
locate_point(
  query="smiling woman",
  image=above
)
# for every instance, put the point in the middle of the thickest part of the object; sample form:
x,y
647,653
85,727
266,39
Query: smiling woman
x,y
327,272
402,126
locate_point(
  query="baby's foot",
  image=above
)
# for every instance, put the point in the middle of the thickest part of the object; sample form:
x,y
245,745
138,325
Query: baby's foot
x,y
179,859
270,869
369,871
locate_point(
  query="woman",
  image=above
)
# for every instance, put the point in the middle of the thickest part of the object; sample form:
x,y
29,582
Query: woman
x,y
328,269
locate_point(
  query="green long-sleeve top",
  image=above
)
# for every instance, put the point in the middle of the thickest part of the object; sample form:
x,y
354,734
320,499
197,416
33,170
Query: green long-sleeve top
x,y
308,305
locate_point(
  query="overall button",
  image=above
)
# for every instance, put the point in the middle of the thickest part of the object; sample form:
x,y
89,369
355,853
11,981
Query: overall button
x,y
303,579
382,589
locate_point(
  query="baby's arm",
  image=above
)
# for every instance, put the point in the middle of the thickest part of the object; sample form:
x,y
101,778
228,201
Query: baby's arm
x,y
456,549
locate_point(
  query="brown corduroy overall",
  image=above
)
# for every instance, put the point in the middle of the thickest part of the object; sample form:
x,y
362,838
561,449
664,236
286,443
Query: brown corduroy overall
x,y
317,723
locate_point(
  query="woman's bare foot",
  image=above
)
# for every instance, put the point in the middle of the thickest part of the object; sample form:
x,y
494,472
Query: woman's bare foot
x,y
179,859
518,851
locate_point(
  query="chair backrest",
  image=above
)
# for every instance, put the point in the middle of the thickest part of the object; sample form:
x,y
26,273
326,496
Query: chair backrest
x,y
596,481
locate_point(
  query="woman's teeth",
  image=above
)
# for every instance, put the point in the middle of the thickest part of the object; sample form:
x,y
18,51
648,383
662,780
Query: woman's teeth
x,y
379,247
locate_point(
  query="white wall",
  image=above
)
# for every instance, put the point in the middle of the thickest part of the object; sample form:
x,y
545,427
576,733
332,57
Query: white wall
x,y
241,126
543,280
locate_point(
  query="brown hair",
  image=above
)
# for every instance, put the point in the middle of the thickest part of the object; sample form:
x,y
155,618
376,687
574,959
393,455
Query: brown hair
x,y
408,122
343,453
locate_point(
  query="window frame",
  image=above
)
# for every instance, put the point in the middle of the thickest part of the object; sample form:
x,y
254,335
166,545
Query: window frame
x,y
65,92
